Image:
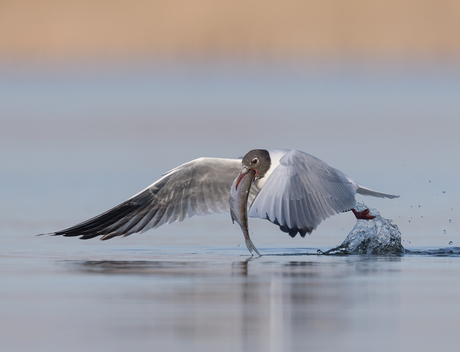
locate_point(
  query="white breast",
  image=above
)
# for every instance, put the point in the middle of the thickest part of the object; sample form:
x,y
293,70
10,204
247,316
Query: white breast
x,y
275,156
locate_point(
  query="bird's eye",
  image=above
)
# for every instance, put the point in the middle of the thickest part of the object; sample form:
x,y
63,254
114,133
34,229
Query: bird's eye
x,y
255,161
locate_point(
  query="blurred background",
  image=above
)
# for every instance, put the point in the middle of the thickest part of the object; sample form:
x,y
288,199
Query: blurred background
x,y
111,31
99,98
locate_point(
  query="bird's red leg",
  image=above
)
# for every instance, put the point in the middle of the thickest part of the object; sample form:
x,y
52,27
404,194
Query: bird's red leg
x,y
362,215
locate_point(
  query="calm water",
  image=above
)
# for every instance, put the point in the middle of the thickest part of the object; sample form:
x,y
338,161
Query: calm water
x,y
75,142
56,298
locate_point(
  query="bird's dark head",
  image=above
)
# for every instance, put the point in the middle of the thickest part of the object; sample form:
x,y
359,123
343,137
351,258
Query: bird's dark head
x,y
257,160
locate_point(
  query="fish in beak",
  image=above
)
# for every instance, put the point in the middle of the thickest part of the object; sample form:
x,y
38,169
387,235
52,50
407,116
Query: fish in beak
x,y
239,194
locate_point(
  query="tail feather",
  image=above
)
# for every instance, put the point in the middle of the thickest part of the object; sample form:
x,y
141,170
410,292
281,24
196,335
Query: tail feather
x,y
369,192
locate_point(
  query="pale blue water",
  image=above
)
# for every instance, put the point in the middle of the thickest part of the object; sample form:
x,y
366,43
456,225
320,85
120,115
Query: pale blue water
x,y
74,142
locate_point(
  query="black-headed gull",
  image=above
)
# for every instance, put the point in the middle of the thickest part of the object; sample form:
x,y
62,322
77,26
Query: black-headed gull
x,y
290,188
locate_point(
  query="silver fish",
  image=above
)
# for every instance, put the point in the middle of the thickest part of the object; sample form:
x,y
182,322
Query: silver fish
x,y
239,194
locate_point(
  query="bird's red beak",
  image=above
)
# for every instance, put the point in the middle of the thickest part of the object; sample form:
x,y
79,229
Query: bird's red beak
x,y
241,175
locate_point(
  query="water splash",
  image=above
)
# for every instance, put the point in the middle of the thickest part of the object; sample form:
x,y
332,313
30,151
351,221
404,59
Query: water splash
x,y
376,236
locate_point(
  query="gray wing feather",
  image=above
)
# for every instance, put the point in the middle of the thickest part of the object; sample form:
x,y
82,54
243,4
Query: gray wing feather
x,y
199,187
301,192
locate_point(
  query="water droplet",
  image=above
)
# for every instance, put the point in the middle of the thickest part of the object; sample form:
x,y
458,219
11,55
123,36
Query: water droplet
x,y
422,216
451,243
444,192
319,251
409,220
429,181
419,206
409,241
450,221
444,231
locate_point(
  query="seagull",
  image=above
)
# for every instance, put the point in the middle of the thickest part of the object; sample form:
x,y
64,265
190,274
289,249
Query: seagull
x,y
289,188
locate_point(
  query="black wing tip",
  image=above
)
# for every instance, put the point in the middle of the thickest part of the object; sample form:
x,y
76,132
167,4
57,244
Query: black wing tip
x,y
102,224
71,234
56,233
292,231
295,230
84,237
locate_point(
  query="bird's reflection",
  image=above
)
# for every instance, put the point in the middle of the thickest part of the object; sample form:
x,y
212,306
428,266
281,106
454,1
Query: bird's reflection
x,y
269,266
266,300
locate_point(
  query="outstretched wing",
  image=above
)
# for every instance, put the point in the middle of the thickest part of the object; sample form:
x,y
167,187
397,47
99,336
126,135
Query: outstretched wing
x,y
199,187
301,192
